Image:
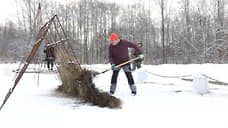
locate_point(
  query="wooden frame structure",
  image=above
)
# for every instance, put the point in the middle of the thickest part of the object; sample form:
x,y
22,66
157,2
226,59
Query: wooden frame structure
x,y
45,33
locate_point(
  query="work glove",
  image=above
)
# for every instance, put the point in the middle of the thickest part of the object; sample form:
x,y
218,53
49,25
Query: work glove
x,y
141,56
113,66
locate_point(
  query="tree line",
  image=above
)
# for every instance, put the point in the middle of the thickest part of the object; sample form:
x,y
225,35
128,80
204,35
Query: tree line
x,y
196,33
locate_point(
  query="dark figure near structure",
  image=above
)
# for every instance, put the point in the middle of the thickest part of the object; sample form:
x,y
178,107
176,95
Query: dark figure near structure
x,y
136,63
50,56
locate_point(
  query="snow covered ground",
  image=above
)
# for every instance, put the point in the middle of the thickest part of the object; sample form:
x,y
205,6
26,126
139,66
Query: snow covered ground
x,y
158,103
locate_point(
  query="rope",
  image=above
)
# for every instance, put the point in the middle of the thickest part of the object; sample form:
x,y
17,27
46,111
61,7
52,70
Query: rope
x,y
167,76
215,81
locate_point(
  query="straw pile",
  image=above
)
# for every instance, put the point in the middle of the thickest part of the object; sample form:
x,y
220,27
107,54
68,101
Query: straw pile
x,y
78,83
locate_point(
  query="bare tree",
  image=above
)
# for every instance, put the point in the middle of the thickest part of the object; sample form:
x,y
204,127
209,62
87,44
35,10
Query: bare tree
x,y
162,8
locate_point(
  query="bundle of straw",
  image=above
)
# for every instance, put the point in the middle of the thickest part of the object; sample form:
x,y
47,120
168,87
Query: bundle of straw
x,y
78,83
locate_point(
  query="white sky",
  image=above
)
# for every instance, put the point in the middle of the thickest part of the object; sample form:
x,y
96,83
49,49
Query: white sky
x,y
7,10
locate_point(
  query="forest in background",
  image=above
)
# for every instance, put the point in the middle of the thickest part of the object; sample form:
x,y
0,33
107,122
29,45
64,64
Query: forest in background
x,y
197,33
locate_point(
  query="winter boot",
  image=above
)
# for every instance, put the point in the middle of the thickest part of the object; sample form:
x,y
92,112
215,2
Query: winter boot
x,y
111,92
133,93
133,89
112,89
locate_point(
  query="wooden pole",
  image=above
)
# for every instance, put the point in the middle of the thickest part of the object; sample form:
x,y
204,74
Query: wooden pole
x,y
129,61
42,33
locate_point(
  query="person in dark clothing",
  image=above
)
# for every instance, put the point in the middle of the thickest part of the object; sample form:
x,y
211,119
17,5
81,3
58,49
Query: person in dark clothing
x,y
118,53
50,56
136,63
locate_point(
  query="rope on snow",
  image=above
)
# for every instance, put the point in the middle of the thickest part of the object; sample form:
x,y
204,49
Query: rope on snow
x,y
168,76
212,80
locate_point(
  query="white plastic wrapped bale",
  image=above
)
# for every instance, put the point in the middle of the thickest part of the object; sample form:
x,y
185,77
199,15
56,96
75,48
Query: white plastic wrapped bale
x,y
7,71
139,75
200,84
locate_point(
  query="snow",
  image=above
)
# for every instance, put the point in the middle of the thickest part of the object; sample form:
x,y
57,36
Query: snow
x,y
160,102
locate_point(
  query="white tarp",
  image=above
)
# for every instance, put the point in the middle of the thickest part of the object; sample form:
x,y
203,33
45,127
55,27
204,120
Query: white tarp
x,y
140,75
200,84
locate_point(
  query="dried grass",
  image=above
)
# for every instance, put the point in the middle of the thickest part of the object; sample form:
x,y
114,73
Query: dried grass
x,y
78,83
